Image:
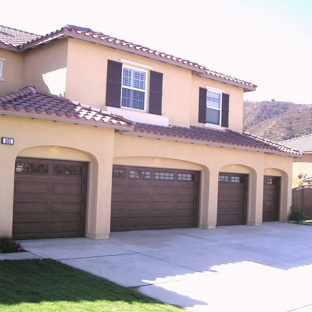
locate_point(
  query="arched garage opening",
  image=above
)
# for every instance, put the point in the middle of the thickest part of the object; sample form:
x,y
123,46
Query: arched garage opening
x,y
274,185
233,194
50,193
154,193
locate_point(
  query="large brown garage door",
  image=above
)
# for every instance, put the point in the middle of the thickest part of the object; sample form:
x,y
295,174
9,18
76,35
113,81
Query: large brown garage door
x,y
271,198
49,198
232,197
150,198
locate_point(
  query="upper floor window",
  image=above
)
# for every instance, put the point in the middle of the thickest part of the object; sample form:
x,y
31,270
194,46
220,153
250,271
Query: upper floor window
x,y
213,107
127,88
213,112
133,88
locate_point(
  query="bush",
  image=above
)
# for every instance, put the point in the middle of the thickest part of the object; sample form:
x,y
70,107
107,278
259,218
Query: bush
x,y
8,245
296,215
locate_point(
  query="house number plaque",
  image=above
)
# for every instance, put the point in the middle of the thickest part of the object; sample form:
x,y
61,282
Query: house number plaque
x,y
8,141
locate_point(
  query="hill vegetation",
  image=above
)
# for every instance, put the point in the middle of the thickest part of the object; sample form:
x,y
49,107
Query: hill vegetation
x,y
276,120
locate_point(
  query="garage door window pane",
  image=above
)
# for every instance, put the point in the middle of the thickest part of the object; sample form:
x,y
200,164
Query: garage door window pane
x,y
271,181
223,178
119,173
31,168
237,179
164,176
138,174
186,177
68,170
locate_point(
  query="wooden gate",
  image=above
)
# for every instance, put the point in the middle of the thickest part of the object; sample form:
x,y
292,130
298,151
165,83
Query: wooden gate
x,y
302,200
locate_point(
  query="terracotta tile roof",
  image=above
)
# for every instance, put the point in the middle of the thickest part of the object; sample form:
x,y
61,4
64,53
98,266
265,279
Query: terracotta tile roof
x,y
213,137
28,102
303,143
14,38
90,35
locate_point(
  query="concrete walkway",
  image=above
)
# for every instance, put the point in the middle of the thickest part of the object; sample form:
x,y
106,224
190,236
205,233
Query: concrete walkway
x,y
234,268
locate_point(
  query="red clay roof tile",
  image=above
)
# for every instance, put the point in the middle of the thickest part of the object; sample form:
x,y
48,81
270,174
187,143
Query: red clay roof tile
x,y
29,102
22,41
14,38
210,136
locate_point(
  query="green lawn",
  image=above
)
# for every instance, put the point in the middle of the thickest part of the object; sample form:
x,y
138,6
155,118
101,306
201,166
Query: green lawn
x,y
46,285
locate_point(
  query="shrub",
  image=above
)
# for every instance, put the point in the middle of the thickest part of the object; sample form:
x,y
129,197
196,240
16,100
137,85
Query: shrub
x,y
296,215
8,245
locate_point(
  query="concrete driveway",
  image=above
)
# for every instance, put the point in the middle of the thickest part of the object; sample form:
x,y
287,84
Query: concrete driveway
x,y
232,268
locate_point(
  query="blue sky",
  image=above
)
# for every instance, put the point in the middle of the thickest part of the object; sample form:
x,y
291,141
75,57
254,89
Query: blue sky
x,y
268,43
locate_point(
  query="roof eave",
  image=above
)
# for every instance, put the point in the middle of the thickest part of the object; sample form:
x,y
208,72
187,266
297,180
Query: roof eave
x,y
9,47
67,120
199,69
214,144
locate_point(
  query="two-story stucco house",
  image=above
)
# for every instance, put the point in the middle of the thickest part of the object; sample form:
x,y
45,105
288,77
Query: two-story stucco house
x,y
100,135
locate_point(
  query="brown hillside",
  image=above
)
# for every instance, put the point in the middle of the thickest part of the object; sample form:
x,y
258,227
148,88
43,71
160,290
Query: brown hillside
x,y
277,121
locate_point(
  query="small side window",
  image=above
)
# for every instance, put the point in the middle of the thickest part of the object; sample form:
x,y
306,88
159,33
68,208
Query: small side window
x,y
1,69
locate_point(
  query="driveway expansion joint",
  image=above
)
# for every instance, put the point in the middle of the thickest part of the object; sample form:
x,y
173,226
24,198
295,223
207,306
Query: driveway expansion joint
x,y
91,257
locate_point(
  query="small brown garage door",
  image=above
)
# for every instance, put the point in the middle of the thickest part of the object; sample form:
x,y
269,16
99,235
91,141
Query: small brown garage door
x,y
232,196
150,198
271,198
49,198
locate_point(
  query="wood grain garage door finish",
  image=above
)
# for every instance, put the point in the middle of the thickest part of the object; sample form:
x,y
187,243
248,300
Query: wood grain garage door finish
x,y
232,197
49,198
271,198
150,198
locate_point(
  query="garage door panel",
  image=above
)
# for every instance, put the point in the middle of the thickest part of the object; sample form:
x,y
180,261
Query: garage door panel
x,y
71,226
184,213
139,221
30,227
40,199
117,206
185,190
66,189
66,207
163,221
271,198
30,207
143,197
31,188
158,198
152,203
163,190
162,206
232,197
184,221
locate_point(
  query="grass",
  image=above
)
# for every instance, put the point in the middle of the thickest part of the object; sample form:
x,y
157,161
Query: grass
x,y
47,285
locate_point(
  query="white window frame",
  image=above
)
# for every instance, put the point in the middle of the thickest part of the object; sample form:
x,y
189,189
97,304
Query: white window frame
x,y
218,91
1,68
132,88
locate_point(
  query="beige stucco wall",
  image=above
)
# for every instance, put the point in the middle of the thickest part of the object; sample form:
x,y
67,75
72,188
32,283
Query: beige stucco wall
x,y
86,83
46,67
102,148
77,70
12,71
59,141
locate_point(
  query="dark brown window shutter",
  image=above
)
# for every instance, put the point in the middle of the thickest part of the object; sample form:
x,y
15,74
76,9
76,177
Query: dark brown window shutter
x,y
155,95
113,85
202,105
225,110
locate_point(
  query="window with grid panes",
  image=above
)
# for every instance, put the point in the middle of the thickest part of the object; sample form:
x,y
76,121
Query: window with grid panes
x,y
133,88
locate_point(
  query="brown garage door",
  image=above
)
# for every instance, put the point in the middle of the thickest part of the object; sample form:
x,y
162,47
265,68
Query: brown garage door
x,y
232,196
271,198
150,198
49,198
